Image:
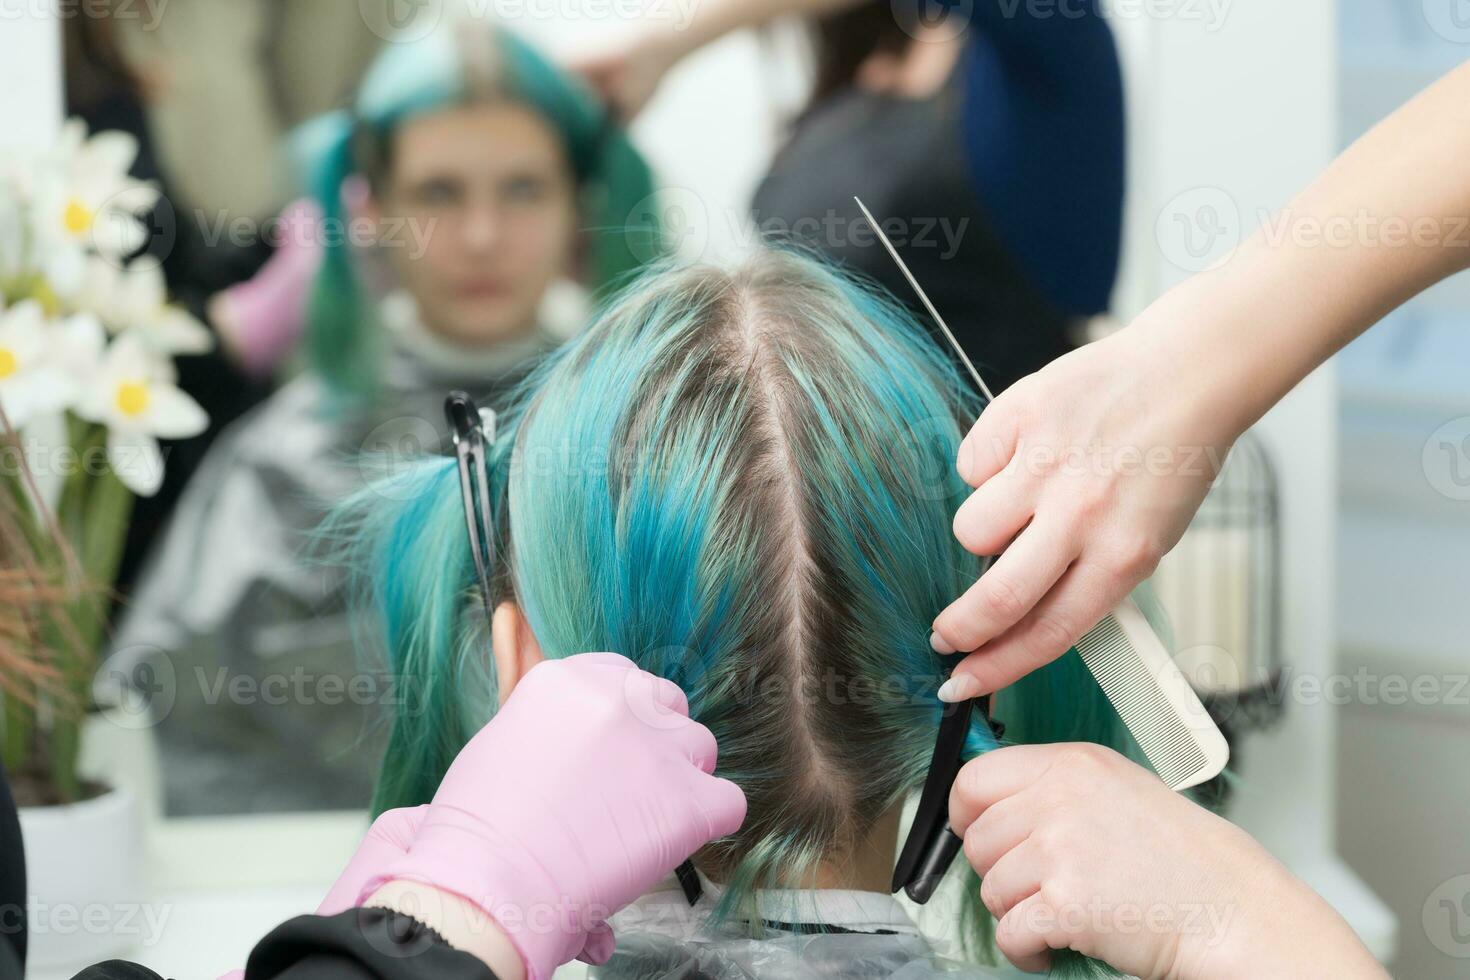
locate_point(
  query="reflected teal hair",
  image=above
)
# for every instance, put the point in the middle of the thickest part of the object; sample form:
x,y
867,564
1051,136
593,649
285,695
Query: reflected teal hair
x,y
743,480
449,68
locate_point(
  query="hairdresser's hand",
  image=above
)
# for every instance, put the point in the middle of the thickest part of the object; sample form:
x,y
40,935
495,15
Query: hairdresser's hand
x,y
1078,848
626,76
1085,474
587,788
386,842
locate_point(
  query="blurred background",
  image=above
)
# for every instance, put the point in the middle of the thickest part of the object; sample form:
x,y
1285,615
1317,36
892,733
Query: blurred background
x,y
1319,601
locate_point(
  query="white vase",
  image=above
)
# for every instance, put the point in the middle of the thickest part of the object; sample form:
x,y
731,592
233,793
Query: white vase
x,y
84,880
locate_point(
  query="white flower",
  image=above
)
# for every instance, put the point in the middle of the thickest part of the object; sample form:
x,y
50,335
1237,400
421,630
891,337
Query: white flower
x,y
136,299
74,354
133,398
30,382
85,201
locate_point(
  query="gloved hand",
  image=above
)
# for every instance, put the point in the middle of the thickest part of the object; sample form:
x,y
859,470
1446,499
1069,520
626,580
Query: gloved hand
x,y
261,320
587,788
386,841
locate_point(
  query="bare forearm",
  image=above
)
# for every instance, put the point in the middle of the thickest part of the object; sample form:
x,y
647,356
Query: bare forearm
x,y
716,18
1388,219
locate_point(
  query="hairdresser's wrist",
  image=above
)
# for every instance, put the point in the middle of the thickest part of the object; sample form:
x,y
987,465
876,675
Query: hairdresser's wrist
x,y
462,924
1196,359
715,20
1280,929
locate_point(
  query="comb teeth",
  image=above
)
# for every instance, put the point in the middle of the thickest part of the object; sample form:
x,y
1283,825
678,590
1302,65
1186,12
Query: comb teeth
x,y
1153,699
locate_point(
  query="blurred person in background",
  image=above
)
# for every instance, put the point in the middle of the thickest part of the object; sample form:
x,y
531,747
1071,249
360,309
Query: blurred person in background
x,y
990,147
234,78
112,92
496,197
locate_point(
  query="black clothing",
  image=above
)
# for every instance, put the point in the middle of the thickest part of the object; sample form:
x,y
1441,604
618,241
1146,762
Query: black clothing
x,y
906,159
12,888
359,944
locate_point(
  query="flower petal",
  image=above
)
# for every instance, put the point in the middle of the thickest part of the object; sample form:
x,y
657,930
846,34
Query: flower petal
x,y
66,268
118,234
109,153
17,399
128,358
45,436
173,414
177,332
137,461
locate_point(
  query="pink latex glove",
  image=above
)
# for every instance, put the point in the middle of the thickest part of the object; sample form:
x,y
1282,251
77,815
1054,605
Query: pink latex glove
x,y
261,320
386,841
587,788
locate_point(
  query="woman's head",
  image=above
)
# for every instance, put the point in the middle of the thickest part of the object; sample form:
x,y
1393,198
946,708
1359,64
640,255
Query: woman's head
x,y
492,201
490,175
743,481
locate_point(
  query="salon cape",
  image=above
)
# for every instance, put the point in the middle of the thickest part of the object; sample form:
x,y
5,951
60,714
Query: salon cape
x,y
239,633
809,934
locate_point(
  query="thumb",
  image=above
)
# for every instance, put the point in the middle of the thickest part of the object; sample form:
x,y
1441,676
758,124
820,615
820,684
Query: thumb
x,y
599,946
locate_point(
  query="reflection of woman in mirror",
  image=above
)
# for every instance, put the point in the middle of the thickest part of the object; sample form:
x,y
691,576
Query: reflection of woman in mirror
x,y
491,184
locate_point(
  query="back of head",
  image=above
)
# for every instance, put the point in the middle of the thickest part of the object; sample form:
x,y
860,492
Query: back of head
x,y
743,480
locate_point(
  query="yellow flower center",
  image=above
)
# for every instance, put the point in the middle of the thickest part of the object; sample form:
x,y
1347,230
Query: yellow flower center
x,y
9,364
78,217
132,398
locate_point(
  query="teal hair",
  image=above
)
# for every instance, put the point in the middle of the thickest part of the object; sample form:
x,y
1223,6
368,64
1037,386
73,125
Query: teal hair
x,y
444,70
743,480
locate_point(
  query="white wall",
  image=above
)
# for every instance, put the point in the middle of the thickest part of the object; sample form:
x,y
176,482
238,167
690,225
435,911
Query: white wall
x,y
30,73
1230,116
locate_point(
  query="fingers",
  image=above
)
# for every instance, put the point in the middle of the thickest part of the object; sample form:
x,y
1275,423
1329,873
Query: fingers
x,y
386,840
1079,599
994,776
601,658
723,805
668,696
1026,935
639,686
698,744
993,514
1018,580
988,446
600,944
993,834
1013,879
398,827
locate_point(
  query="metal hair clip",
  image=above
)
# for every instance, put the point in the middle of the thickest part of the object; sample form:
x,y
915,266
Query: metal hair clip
x,y
467,427
473,430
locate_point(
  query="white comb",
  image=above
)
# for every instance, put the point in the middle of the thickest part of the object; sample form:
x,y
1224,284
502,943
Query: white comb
x,y
1146,688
